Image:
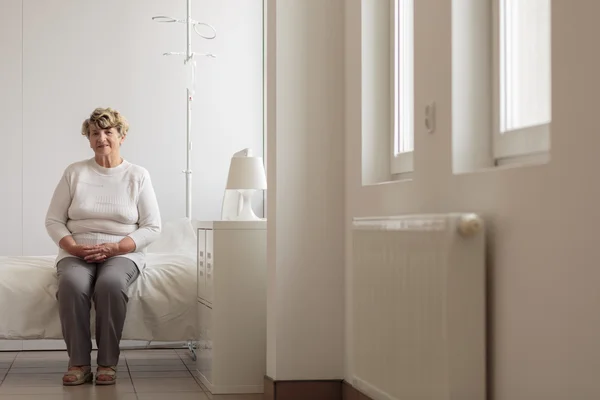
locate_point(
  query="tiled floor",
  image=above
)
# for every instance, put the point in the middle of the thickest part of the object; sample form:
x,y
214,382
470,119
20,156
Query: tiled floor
x,y
143,375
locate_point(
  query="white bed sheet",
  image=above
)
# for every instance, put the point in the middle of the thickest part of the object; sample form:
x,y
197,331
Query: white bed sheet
x,y
162,301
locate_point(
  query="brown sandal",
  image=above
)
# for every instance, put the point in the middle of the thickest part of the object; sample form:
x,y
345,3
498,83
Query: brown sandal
x,y
110,371
82,375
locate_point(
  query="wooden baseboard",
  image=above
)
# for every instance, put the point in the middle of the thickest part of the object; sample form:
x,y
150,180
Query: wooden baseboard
x,y
302,390
313,390
350,393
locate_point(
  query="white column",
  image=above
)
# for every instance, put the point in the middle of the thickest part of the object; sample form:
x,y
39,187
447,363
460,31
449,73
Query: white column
x,y
305,148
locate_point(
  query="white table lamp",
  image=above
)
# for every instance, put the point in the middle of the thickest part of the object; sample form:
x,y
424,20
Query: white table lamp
x,y
246,175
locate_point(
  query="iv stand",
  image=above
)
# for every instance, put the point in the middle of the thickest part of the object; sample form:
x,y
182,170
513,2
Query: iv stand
x,y
189,60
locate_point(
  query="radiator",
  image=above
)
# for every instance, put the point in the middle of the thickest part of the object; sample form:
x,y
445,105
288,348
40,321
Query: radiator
x,y
418,307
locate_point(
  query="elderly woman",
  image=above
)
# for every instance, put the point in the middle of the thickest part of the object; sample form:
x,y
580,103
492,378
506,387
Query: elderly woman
x,y
102,216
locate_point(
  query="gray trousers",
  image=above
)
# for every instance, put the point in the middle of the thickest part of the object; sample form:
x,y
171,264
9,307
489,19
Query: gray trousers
x,y
106,284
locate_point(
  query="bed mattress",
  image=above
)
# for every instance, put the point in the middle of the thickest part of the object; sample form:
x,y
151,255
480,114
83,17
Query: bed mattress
x,y
162,301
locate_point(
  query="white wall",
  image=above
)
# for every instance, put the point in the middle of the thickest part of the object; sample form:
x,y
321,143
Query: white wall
x,y
306,189
75,58
543,275
10,128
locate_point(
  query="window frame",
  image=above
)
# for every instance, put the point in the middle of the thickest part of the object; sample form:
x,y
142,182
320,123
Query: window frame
x,y
401,161
517,143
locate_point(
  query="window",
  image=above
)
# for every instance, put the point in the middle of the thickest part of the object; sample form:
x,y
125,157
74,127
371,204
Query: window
x,y
523,79
403,93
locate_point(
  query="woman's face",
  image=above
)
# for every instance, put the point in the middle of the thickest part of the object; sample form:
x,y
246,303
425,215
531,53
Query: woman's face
x,y
105,141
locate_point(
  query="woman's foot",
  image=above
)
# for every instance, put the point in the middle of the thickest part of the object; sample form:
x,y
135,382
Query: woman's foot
x,y
106,375
78,376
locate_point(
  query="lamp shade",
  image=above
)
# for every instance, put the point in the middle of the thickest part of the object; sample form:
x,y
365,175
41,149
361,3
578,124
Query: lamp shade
x,y
246,173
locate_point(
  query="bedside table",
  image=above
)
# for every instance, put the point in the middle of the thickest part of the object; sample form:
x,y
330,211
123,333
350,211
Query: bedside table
x,y
232,306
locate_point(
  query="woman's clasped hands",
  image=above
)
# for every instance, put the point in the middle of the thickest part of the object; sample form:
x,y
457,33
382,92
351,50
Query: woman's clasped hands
x,y
96,253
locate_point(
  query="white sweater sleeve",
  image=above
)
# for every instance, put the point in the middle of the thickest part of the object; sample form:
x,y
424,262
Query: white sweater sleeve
x,y
57,214
149,224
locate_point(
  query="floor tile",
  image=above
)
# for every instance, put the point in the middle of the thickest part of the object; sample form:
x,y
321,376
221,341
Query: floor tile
x,y
37,363
162,384
37,370
172,396
235,396
49,376
179,367
83,390
49,380
44,355
154,361
8,355
160,374
154,374
149,354
100,394
141,358
34,397
91,394
55,388
123,385
190,364
184,355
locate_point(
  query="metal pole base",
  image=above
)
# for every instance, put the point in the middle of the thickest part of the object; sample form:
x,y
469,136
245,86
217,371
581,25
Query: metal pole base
x,y
192,348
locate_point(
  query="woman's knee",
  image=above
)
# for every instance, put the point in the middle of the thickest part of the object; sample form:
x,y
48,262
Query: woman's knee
x,y
114,277
110,285
74,284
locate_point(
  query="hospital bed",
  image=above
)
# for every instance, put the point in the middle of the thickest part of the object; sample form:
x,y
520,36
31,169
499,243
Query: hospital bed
x,y
162,301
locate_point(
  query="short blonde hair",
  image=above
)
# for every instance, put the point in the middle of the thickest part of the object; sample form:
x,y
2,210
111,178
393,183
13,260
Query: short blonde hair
x,y
105,118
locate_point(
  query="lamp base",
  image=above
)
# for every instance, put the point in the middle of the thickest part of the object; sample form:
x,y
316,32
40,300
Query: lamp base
x,y
246,213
